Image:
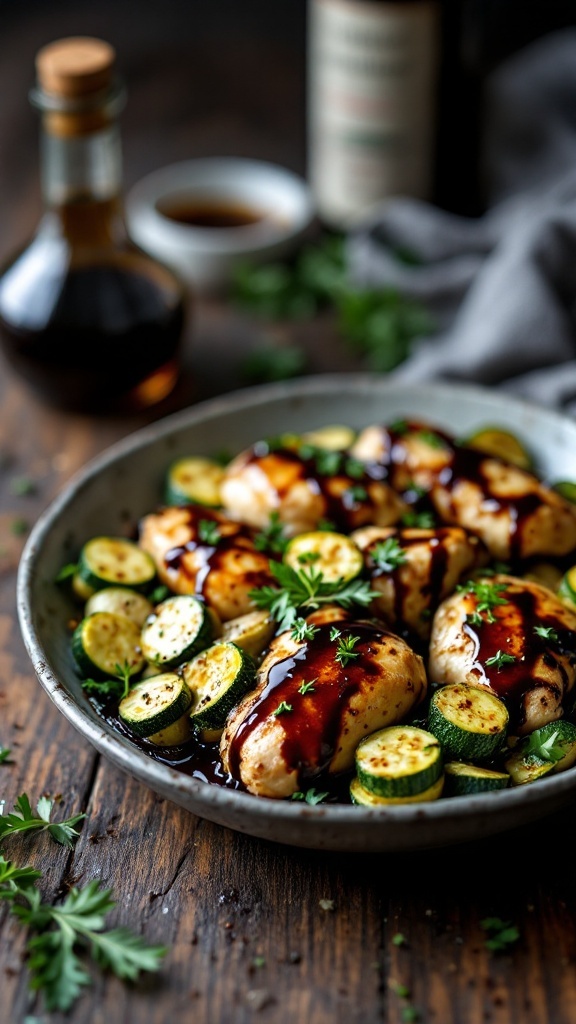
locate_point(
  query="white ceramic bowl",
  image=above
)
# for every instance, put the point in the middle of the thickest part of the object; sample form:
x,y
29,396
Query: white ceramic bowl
x,y
125,482
206,256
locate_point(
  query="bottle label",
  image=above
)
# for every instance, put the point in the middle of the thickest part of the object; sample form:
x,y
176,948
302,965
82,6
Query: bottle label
x,y
372,72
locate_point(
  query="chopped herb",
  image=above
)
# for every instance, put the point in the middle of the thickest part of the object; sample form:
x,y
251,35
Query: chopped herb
x,y
402,991
159,594
78,922
311,796
430,438
272,537
399,427
22,819
388,554
335,633
282,708
22,486
19,527
545,748
547,633
502,934
399,940
327,904
327,463
258,962
302,630
500,659
306,589
5,755
66,572
354,468
422,520
309,557
346,652
307,687
209,532
326,526
488,596
356,493
104,687
410,1015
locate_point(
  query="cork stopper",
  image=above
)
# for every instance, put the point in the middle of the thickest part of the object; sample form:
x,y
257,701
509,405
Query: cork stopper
x,y
75,67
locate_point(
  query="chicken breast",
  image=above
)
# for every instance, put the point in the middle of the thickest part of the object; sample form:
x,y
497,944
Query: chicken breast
x,y
513,636
259,482
309,711
222,568
508,508
415,570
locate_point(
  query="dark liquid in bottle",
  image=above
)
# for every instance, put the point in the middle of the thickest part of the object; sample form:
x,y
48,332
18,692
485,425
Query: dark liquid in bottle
x,y
91,327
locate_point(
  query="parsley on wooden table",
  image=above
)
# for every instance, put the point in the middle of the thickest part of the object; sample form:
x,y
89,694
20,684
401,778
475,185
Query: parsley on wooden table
x,y
501,934
22,819
5,755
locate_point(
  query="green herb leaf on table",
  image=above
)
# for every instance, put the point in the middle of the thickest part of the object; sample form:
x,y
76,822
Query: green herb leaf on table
x,y
22,486
22,819
5,755
502,934
19,526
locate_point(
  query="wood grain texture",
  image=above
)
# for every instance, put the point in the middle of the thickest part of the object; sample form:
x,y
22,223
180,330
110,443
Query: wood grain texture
x,y
257,932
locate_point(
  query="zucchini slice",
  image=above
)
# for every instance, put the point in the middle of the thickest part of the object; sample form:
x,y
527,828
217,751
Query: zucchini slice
x,y
362,796
566,489
115,562
81,589
252,632
121,601
194,481
153,705
399,761
173,735
524,768
179,628
567,588
546,574
502,444
103,641
463,779
218,679
335,438
560,736
469,722
333,554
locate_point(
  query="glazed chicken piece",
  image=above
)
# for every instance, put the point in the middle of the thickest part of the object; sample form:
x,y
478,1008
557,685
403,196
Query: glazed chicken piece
x,y
512,636
508,508
309,711
415,569
259,482
222,566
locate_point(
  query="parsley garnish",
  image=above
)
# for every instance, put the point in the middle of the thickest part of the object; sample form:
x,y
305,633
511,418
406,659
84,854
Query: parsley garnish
x,y
423,520
21,819
78,922
272,537
501,933
356,493
410,1015
5,755
66,572
118,686
302,630
545,747
547,633
258,962
307,687
354,468
346,652
159,594
387,554
335,633
430,438
399,427
282,708
487,598
326,526
19,527
327,463
309,557
500,659
209,532
306,589
22,486
311,796
399,939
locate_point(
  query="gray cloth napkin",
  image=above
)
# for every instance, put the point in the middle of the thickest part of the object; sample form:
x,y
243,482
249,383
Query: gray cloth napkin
x,y
501,288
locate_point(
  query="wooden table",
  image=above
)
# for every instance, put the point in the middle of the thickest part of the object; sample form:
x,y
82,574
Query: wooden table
x,y
250,937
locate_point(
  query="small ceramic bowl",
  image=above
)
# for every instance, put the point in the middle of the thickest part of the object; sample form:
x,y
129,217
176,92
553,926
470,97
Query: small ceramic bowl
x,y
202,217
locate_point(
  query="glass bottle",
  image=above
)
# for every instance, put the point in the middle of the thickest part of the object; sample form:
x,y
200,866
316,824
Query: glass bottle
x,y
372,100
88,319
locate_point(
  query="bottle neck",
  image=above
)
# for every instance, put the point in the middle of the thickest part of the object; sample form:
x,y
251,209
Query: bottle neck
x,y
81,178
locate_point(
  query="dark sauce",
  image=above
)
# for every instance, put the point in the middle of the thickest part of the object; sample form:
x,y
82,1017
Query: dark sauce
x,y
517,678
311,729
210,213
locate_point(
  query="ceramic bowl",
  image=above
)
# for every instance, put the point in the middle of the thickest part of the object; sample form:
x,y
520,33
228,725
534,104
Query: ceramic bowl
x,y
125,482
206,256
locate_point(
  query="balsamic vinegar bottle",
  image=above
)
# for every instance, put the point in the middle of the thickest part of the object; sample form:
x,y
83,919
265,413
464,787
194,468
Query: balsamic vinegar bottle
x,y
372,102
90,321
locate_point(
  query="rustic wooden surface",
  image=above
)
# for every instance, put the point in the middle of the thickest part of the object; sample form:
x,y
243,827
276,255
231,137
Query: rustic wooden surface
x,y
222,901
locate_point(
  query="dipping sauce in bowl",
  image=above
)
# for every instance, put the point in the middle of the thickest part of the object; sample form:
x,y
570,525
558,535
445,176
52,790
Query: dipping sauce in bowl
x,y
210,213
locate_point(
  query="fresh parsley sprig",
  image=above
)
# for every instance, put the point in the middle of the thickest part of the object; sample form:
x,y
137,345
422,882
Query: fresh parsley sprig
x,y
346,652
302,630
388,554
547,633
118,686
545,748
5,755
60,931
272,537
311,796
421,520
502,934
500,659
305,688
209,532
488,596
22,819
305,590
